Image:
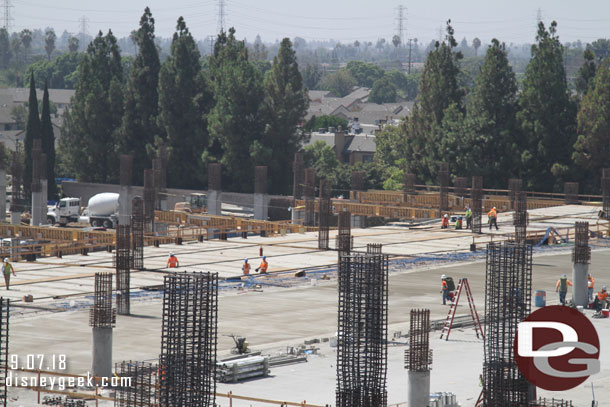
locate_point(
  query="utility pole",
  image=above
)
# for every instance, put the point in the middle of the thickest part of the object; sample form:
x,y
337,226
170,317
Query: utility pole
x,y
7,23
410,45
221,16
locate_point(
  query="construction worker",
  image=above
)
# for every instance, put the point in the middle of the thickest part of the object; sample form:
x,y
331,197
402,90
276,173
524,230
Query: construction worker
x,y
172,261
468,218
492,218
444,289
562,288
458,223
445,222
601,299
264,265
590,286
7,269
246,267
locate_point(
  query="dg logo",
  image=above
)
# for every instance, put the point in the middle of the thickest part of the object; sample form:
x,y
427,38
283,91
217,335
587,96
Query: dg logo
x,y
557,348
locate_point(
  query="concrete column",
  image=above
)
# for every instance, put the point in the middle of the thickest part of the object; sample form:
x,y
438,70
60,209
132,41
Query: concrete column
x,y
36,208
297,215
2,195
102,352
44,187
358,221
419,389
214,202
15,218
580,293
261,207
124,205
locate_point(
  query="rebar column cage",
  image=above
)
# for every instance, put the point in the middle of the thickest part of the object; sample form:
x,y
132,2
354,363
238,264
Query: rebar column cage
x,y
461,185
606,193
214,176
520,216
137,233
188,342
102,315
309,194
514,186
362,331
373,248
260,179
408,187
357,180
344,235
298,171
149,200
324,214
122,264
126,169
418,357
544,402
17,203
582,252
570,192
4,324
159,180
142,389
508,289
443,179
476,195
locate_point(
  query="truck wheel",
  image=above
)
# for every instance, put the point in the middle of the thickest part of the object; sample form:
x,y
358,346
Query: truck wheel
x,y
50,220
95,223
107,224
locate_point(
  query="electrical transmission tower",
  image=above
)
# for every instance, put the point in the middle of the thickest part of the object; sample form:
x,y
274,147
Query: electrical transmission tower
x,y
221,15
84,25
400,23
7,24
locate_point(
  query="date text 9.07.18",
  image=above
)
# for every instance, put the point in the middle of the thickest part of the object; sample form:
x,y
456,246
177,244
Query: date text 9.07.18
x,y
38,362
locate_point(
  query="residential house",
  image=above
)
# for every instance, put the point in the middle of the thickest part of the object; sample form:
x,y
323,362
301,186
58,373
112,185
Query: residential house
x,y
349,148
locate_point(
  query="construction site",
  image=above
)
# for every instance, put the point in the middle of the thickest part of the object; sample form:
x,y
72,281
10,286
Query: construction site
x,y
346,308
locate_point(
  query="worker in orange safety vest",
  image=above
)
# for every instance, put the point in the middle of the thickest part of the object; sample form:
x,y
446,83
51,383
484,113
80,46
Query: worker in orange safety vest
x,y
246,267
590,286
172,261
264,265
492,218
445,222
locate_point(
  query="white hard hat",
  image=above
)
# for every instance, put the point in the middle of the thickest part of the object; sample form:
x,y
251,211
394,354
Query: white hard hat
x,y
446,215
171,253
494,207
443,276
6,259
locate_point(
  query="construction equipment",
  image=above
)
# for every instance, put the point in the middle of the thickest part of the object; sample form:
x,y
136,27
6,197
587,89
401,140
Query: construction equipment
x,y
241,345
463,284
197,201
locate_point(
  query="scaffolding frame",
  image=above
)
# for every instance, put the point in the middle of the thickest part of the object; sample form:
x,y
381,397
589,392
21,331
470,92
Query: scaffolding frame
x,y
143,389
362,331
418,357
102,314
122,265
476,196
508,289
189,340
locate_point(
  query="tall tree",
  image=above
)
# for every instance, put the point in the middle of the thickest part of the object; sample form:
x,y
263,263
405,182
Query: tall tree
x,y
48,142
311,76
182,109
26,40
476,43
586,73
438,89
285,104
547,115
339,83
592,148
32,131
384,91
73,44
91,128
235,120
5,48
49,42
142,99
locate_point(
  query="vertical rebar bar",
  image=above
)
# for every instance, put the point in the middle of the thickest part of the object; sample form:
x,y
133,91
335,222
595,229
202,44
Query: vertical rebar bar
x,y
102,314
324,214
260,179
476,195
514,187
122,265
606,193
142,388
418,357
137,233
149,200
582,252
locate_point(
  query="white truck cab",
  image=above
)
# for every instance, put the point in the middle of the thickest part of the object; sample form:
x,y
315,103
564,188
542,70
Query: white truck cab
x,y
67,210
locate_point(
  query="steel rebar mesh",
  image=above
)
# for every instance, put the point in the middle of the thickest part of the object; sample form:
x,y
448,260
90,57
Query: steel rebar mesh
x,y
298,180
102,315
142,391
582,252
570,191
443,178
408,188
461,186
373,248
214,177
126,169
606,193
544,402
324,214
122,265
17,200
189,338
344,235
477,203
508,289
4,342
309,194
520,216
149,200
418,357
137,233
260,179
362,331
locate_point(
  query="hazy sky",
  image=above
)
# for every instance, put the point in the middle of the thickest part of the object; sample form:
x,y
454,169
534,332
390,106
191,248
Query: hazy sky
x,y
347,21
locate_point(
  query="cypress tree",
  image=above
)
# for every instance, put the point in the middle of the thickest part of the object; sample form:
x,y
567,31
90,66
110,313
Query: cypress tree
x,y
32,131
48,142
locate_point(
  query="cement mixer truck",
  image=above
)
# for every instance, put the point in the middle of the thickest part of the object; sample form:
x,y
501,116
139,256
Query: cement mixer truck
x,y
102,211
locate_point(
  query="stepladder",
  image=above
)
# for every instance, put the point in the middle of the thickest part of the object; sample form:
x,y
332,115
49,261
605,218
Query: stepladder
x,y
448,325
